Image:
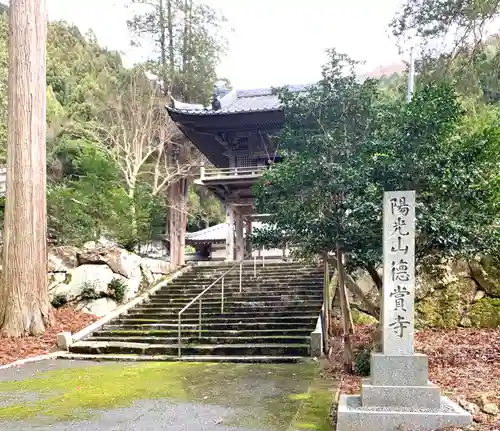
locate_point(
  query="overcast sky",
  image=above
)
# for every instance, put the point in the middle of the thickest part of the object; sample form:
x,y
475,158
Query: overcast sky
x,y
274,42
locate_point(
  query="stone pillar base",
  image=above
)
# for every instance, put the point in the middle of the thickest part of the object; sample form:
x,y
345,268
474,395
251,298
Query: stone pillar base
x,y
418,397
353,416
398,396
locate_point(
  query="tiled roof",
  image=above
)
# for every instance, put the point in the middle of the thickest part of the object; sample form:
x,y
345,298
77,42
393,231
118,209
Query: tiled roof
x,y
237,101
214,233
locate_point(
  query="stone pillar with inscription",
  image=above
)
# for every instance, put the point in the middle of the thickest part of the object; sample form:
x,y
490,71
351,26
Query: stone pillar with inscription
x,y
398,394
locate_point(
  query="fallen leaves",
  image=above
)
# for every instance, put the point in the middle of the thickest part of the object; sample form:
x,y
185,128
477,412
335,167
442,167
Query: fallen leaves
x,y
464,363
66,319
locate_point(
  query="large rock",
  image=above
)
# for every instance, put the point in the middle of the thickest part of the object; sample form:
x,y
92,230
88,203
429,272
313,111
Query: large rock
x,y
100,307
446,307
133,284
95,277
61,259
58,279
484,313
486,272
119,260
155,266
449,272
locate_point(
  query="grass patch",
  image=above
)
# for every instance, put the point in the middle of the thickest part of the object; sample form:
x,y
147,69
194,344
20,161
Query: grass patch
x,y
314,412
264,395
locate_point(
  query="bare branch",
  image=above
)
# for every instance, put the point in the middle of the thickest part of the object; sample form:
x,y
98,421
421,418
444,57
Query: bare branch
x,y
137,133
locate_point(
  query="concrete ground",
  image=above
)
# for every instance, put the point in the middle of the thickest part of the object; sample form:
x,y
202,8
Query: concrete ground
x,y
78,395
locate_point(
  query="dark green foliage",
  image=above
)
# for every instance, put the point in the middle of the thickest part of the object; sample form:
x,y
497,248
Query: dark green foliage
x,y
116,289
89,293
59,300
362,362
346,144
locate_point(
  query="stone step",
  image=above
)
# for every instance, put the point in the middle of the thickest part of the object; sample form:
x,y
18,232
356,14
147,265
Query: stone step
x,y
246,284
214,304
216,309
261,349
232,307
147,325
158,318
288,275
223,317
214,297
271,319
250,263
300,332
239,308
184,358
249,273
247,288
205,339
248,270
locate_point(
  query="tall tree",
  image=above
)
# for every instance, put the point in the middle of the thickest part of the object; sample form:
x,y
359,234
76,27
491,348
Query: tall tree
x,y
186,35
455,22
24,304
345,147
188,41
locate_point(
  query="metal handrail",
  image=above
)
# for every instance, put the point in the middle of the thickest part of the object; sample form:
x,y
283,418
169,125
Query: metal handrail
x,y
199,296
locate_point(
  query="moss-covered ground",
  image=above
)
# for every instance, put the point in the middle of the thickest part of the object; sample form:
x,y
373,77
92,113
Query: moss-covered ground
x,y
264,397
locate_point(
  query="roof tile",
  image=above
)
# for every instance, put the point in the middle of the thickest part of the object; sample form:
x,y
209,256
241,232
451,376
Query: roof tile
x,y
253,100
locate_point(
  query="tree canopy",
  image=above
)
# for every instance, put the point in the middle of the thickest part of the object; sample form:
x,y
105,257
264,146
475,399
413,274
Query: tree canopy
x,y
88,91
346,143
188,41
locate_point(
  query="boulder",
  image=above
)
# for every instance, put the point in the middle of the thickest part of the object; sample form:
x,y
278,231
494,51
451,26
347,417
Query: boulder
x,y
147,274
487,406
100,307
133,284
486,272
425,284
57,279
96,277
480,294
368,288
446,307
484,313
119,260
449,272
61,259
155,266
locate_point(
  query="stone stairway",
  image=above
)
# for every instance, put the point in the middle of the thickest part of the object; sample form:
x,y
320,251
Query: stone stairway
x,y
270,320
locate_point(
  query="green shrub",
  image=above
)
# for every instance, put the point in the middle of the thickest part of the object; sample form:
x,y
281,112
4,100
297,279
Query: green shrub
x,y
116,289
59,300
89,292
362,362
